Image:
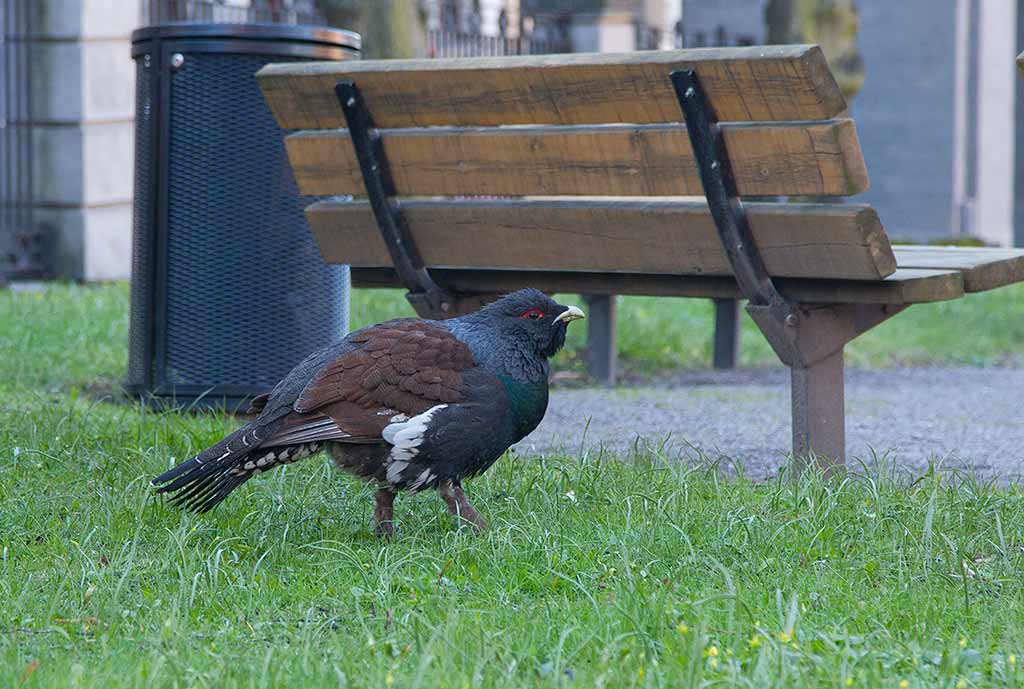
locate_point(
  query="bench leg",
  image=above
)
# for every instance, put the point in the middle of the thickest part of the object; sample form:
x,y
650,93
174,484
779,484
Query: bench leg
x,y
819,413
601,353
811,343
727,333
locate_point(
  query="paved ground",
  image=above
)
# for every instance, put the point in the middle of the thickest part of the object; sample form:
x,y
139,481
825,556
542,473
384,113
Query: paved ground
x,y
962,417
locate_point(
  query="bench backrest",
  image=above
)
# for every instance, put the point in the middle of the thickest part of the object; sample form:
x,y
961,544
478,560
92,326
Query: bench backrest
x,y
578,140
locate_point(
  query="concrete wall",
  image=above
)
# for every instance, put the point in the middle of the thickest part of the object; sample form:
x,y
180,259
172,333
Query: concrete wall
x,y
83,108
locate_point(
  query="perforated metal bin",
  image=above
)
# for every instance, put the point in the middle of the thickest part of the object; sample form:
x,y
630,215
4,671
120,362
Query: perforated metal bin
x,y
229,291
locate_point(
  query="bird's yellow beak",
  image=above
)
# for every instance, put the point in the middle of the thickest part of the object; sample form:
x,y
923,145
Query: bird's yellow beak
x,y
569,315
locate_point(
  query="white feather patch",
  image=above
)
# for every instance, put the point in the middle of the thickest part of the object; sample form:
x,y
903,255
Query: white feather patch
x,y
395,469
406,435
422,480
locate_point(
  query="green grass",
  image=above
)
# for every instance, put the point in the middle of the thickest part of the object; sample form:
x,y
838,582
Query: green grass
x,y
597,571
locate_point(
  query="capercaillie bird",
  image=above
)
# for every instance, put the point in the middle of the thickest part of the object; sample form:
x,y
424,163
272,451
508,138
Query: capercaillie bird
x,y
409,405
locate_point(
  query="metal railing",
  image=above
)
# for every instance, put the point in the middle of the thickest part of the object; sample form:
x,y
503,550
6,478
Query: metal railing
x,y
21,244
451,44
232,11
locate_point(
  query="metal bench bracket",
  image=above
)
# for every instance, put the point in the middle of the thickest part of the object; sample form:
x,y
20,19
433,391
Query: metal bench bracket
x,y
778,317
425,295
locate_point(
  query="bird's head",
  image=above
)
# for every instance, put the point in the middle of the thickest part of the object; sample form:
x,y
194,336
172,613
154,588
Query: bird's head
x,y
533,317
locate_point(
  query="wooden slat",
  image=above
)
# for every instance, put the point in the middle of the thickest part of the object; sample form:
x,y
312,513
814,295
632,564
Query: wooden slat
x,y
675,236
769,83
905,286
816,158
983,268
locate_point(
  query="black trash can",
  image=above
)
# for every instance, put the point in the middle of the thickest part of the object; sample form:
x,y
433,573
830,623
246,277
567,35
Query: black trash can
x,y
229,290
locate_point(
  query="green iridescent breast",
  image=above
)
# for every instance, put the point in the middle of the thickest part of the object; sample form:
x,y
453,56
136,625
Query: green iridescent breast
x,y
529,401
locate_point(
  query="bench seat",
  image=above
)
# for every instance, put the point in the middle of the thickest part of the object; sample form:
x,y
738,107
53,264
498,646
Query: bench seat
x,y
982,268
925,274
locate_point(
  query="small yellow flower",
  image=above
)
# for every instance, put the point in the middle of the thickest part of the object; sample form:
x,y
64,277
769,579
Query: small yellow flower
x,y
1012,660
783,637
963,642
962,684
389,680
712,651
640,673
755,641
682,628
848,681
713,663
904,684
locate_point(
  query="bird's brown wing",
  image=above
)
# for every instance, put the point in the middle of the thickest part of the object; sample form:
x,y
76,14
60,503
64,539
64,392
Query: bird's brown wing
x,y
400,367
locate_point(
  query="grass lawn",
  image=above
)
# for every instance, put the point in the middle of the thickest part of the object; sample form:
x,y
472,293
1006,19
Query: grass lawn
x,y
597,571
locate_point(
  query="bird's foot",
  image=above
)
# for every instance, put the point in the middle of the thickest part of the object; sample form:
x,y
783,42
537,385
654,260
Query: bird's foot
x,y
460,508
384,513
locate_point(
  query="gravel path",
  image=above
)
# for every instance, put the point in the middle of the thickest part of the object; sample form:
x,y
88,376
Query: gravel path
x,y
962,417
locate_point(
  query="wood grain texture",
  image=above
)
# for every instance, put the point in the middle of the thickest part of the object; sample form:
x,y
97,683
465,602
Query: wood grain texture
x,y
751,84
905,286
671,236
816,158
983,269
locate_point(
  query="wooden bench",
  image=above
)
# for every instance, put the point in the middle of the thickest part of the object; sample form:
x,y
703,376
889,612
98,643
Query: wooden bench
x,y
576,173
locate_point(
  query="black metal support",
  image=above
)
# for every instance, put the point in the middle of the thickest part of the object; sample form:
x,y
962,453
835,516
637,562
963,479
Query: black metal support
x,y
424,294
809,340
777,316
720,189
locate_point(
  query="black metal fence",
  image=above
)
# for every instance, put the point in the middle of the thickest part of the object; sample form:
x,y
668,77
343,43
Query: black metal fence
x,y
257,12
21,243
452,44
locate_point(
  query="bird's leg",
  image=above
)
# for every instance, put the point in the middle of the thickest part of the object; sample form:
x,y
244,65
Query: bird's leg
x,y
384,513
459,507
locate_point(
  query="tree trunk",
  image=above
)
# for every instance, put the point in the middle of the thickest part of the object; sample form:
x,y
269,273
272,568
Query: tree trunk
x,y
832,24
390,28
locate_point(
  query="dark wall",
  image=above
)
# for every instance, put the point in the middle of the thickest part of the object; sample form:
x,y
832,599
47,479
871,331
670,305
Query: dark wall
x,y
904,112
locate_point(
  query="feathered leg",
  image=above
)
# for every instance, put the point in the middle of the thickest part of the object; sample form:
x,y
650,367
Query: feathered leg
x,y
384,513
459,507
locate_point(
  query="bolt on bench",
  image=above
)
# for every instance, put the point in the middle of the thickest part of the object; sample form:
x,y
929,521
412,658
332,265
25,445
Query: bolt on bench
x,y
576,173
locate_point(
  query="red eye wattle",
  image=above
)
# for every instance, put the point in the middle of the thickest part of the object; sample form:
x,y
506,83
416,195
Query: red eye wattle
x,y
533,314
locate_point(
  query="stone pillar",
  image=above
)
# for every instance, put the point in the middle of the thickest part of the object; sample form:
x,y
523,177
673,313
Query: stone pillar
x,y
83,106
997,84
610,31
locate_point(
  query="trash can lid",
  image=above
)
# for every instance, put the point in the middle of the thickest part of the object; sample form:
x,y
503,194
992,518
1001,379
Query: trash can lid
x,y
292,33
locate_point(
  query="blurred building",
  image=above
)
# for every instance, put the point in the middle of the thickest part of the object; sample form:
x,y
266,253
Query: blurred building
x,y
67,106
562,25
936,114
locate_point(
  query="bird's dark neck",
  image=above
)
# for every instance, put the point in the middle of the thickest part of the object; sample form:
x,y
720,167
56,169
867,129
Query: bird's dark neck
x,y
506,357
523,373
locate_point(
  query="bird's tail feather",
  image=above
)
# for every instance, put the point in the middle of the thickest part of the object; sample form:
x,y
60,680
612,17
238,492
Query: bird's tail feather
x,y
201,483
